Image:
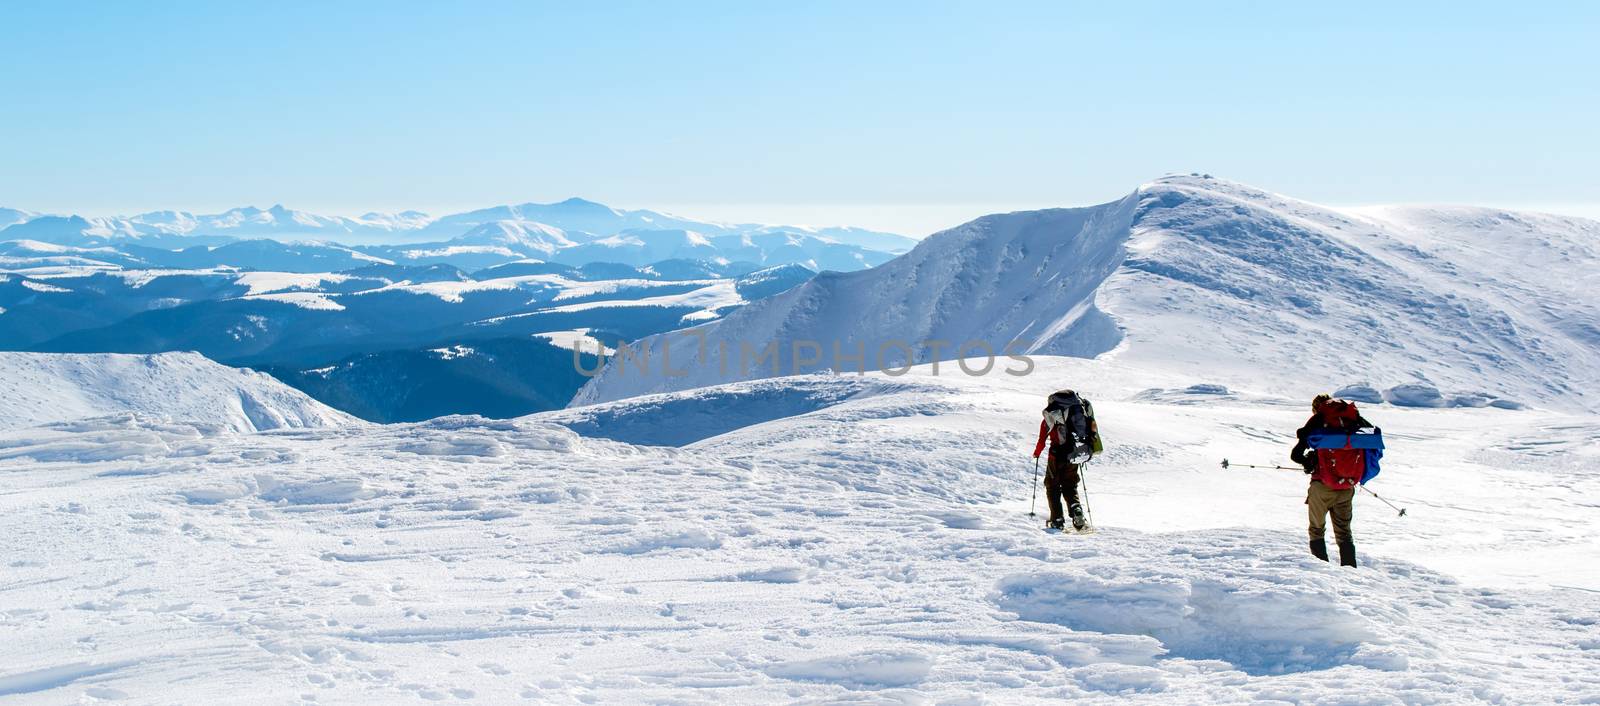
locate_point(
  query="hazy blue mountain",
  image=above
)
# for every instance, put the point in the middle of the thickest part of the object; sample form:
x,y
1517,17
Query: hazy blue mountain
x,y
68,230
582,218
411,273
641,247
11,216
574,231
16,254
522,268
859,237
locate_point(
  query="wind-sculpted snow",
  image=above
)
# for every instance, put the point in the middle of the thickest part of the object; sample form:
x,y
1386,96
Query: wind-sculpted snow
x,y
1226,601
1198,274
1256,288
682,419
873,547
39,388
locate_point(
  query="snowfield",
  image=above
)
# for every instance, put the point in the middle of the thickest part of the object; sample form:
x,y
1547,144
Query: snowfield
x,y
819,539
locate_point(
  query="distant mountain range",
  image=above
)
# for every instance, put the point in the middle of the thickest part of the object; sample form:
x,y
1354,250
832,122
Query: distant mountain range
x,y
543,228
355,311
355,330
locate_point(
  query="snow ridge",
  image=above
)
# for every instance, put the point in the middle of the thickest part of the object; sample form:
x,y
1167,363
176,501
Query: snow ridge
x,y
44,388
1195,273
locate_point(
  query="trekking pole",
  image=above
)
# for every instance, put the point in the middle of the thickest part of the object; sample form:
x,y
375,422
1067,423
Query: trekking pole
x,y
1084,478
1386,502
1227,464
1035,502
1401,510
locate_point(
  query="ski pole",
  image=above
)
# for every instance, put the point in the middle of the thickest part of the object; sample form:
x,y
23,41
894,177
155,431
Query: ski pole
x,y
1035,502
1386,502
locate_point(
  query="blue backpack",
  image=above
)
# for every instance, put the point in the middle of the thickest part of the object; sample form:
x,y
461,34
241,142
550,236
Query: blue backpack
x,y
1367,446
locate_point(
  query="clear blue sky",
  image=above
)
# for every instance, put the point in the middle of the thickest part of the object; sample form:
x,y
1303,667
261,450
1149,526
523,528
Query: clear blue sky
x,y
869,111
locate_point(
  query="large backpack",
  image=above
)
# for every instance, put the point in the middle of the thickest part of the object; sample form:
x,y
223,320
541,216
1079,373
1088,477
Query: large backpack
x,y
1073,416
1346,456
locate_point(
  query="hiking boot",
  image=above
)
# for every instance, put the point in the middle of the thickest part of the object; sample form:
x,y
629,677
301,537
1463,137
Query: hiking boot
x,y
1056,524
1319,548
1347,553
1078,522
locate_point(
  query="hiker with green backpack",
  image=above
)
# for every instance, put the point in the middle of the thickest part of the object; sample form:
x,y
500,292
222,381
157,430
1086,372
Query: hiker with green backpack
x,y
1070,433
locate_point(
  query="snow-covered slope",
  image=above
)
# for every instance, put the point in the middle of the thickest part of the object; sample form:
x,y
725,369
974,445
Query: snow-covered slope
x,y
41,388
71,230
859,237
523,237
823,540
1194,273
642,247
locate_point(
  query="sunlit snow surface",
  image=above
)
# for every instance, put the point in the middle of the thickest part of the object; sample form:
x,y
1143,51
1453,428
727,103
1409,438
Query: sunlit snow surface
x,y
830,540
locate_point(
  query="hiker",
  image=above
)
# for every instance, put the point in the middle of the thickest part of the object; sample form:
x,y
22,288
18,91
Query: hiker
x,y
1333,481
1069,431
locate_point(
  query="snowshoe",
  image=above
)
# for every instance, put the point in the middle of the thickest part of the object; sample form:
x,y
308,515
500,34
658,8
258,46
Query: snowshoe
x,y
1078,523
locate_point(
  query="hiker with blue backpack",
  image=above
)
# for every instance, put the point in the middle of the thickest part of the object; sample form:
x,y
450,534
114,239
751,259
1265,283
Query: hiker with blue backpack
x,y
1344,449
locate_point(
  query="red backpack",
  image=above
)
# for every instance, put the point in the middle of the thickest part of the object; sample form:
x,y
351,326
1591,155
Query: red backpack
x,y
1340,468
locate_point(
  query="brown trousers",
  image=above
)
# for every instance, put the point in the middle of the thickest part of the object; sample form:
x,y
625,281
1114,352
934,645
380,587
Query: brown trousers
x,y
1060,478
1322,501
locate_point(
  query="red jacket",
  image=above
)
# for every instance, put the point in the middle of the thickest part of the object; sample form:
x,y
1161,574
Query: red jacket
x,y
1046,435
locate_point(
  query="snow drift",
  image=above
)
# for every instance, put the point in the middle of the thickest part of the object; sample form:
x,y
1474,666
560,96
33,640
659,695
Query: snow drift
x,y
1195,273
42,388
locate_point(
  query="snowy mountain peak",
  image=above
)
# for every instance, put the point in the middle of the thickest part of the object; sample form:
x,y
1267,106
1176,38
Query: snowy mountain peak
x,y
1225,282
580,204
